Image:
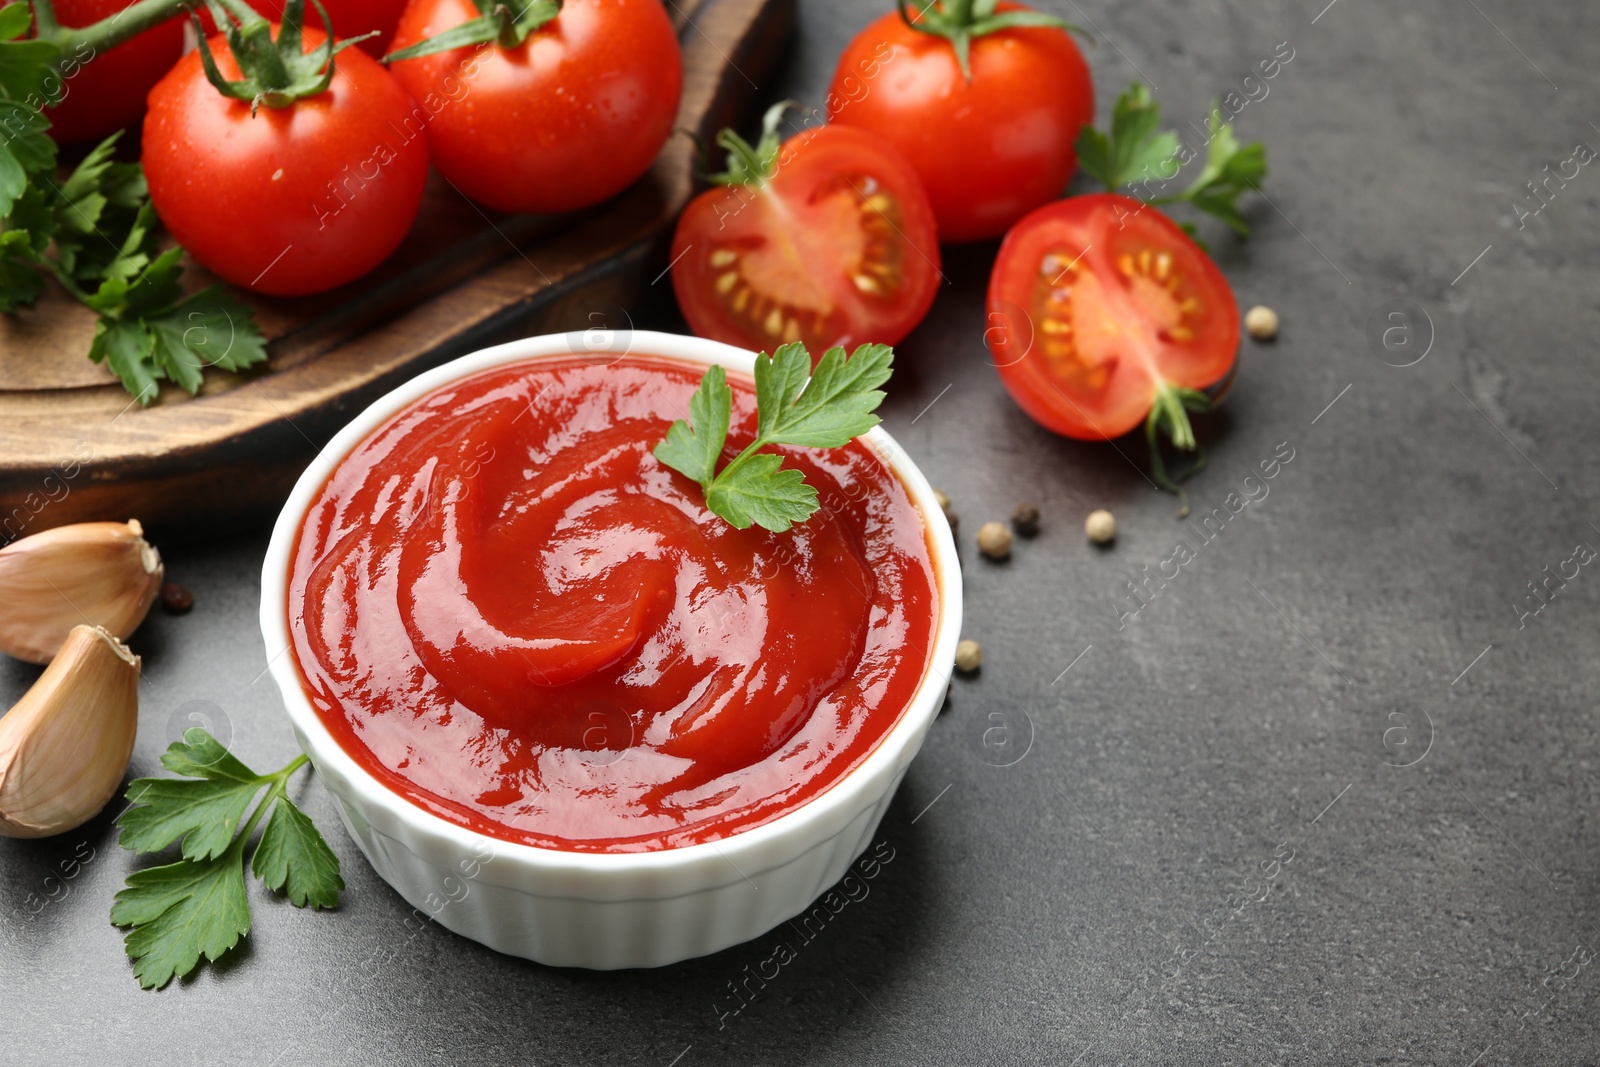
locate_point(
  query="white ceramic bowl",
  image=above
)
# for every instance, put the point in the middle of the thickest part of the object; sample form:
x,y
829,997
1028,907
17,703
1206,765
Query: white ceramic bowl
x,y
600,910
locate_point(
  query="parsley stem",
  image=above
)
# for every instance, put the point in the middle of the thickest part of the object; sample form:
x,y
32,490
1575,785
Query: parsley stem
x,y
749,451
67,281
280,786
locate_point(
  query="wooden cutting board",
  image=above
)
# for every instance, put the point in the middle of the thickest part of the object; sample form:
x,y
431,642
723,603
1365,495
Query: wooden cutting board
x,y
73,447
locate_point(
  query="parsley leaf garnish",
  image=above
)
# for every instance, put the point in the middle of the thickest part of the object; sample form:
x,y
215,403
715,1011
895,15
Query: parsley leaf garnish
x,y
693,446
1139,153
197,906
824,408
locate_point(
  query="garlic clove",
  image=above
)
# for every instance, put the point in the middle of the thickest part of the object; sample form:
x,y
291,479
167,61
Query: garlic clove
x,y
64,747
96,573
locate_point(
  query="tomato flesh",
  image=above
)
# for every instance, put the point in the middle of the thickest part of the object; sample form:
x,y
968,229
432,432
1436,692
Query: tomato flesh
x,y
1096,303
837,248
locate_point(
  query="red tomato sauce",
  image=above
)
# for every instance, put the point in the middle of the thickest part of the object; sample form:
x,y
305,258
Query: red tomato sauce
x,y
510,613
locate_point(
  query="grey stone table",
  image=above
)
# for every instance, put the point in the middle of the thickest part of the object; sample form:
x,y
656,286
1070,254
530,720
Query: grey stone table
x,y
1344,704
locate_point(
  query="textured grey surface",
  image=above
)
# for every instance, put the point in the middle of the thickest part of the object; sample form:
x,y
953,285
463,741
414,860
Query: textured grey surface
x,y
1074,907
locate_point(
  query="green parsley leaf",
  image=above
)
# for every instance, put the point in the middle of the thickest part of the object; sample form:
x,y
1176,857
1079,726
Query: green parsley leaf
x,y
692,448
204,813
1138,152
795,405
210,329
179,912
105,224
25,150
125,347
836,405
20,281
27,67
197,906
294,859
152,290
764,492
104,233
15,19
1230,170
778,384
199,755
207,810
146,333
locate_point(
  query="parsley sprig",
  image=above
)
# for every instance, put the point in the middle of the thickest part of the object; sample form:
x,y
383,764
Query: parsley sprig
x,y
1137,152
197,906
795,405
96,234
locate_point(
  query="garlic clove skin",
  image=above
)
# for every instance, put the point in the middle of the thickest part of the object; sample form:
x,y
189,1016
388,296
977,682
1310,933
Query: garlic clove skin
x,y
96,573
65,746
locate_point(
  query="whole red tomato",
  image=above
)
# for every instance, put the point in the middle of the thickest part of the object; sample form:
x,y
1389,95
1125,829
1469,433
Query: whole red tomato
x,y
834,244
108,93
286,201
1105,315
568,118
989,149
350,18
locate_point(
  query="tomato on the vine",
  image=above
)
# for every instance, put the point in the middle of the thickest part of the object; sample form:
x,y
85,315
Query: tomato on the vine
x,y
992,137
295,198
569,117
827,239
103,96
1104,315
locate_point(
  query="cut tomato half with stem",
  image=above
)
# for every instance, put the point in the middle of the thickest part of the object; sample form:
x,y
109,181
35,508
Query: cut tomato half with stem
x,y
1104,315
827,239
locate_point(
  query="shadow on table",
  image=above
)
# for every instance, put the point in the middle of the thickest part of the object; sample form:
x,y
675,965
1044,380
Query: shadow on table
x,y
796,987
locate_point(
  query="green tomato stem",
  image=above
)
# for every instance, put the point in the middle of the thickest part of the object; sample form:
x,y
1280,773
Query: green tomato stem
x,y
1169,413
102,36
256,32
44,18
248,17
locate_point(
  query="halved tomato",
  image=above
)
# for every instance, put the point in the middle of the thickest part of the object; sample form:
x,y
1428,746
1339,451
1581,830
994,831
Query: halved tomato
x,y
1104,315
828,239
